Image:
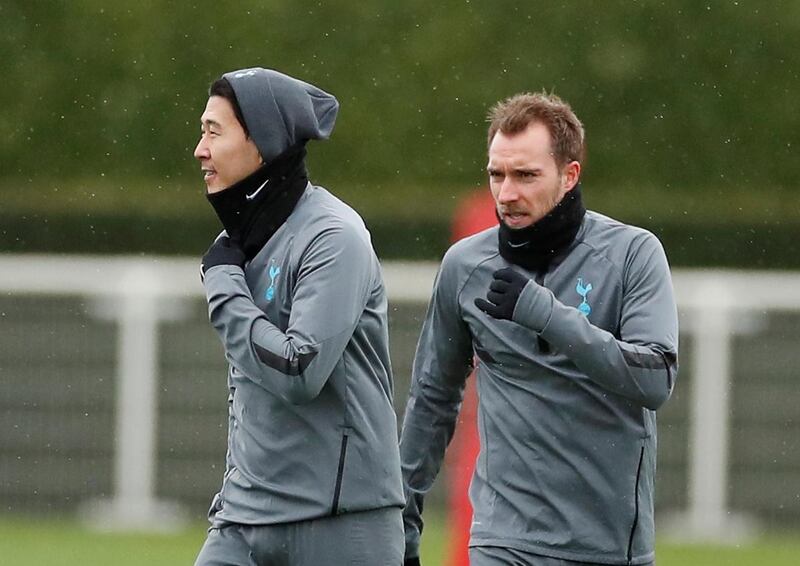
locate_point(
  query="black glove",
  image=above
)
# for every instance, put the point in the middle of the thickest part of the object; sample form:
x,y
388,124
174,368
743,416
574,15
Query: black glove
x,y
503,293
222,252
412,561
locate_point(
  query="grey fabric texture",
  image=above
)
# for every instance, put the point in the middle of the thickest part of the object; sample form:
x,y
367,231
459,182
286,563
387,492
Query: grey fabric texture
x,y
369,538
498,556
312,428
281,111
568,432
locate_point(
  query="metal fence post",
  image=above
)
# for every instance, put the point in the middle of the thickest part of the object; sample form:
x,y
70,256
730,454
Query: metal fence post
x,y
713,323
133,504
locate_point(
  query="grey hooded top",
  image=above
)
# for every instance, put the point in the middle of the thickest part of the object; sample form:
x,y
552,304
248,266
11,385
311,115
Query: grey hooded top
x,y
312,430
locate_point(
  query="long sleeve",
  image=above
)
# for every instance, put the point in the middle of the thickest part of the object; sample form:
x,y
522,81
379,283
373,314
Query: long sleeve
x,y
329,296
441,365
641,363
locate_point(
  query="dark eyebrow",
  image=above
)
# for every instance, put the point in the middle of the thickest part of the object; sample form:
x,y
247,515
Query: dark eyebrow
x,y
535,170
210,123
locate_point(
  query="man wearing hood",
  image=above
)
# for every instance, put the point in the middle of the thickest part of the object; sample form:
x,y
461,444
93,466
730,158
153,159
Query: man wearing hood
x,y
295,293
572,319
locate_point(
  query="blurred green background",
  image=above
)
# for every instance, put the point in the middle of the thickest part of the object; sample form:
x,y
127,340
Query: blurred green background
x,y
65,544
691,111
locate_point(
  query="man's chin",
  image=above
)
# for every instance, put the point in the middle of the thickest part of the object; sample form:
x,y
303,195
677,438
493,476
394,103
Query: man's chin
x,y
516,223
214,188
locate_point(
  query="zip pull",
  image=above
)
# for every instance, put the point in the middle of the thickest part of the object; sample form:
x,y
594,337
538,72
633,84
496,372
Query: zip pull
x,y
544,347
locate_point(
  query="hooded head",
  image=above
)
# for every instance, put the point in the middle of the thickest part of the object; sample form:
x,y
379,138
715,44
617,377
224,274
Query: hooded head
x,y
281,111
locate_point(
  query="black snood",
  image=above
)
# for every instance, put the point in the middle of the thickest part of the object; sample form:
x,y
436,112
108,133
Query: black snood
x,y
535,246
253,209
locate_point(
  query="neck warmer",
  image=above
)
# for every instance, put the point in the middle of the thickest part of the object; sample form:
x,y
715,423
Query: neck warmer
x,y
253,209
534,247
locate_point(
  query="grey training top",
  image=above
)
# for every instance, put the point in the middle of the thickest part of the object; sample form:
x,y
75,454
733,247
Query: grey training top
x,y
312,428
567,395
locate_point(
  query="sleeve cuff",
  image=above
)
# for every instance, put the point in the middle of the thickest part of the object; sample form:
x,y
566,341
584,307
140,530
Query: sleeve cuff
x,y
534,307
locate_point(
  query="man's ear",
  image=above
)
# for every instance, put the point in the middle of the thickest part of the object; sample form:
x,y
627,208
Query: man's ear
x,y
571,174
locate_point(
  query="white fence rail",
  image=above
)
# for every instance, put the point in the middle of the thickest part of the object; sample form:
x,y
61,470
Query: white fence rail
x,y
139,293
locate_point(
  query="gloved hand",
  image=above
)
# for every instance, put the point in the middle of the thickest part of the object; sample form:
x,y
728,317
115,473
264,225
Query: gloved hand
x,y
504,292
412,561
222,252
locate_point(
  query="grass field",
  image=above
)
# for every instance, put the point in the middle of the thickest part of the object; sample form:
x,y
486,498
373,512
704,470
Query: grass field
x,y
56,543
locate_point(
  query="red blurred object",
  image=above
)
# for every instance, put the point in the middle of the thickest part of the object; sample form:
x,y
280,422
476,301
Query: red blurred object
x,y
474,214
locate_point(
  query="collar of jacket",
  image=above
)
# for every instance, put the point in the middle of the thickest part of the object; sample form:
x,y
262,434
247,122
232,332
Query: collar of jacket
x,y
536,246
253,209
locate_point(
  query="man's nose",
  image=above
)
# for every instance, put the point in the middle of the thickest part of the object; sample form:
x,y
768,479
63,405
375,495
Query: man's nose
x,y
508,191
201,151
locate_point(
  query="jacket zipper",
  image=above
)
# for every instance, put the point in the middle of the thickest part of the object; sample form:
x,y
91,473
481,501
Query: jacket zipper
x,y
337,490
544,347
636,505
229,470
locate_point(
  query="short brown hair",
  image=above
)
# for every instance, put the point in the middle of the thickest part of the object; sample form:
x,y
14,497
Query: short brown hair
x,y
513,115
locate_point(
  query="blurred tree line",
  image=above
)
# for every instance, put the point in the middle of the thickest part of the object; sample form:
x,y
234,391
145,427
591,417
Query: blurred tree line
x,y
691,111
